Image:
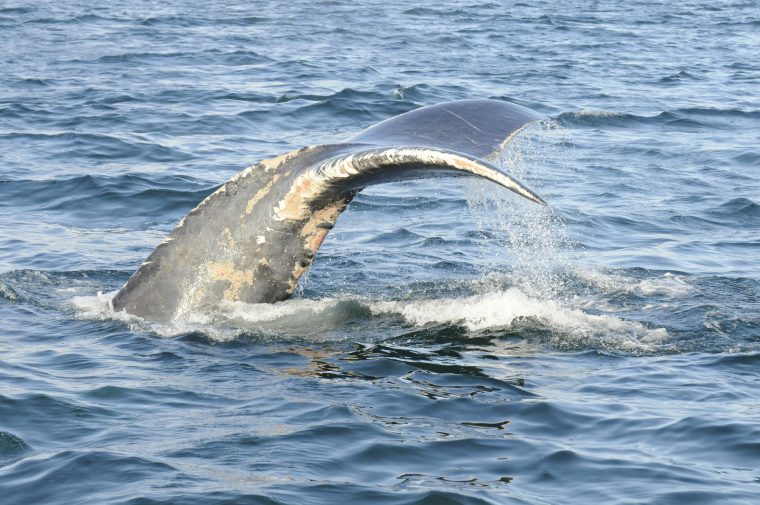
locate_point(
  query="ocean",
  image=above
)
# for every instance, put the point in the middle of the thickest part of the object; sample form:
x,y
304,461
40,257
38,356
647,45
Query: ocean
x,y
453,343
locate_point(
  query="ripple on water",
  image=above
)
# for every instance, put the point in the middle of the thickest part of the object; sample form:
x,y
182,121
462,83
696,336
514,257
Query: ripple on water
x,y
101,475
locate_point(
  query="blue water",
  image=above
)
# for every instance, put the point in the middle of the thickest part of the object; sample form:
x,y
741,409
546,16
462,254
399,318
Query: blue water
x,y
451,345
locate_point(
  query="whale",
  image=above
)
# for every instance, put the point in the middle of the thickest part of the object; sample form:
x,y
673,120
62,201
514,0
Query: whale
x,y
255,236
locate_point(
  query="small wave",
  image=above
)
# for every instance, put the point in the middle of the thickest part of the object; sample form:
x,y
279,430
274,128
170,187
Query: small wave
x,y
143,57
96,198
750,158
680,76
182,21
683,117
504,309
594,117
187,21
244,20
12,448
363,106
97,146
76,466
53,289
330,318
426,11
399,236
16,10
621,119
597,113
75,20
670,285
737,210
717,112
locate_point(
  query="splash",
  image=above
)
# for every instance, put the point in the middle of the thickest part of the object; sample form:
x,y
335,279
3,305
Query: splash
x,y
546,278
98,308
533,239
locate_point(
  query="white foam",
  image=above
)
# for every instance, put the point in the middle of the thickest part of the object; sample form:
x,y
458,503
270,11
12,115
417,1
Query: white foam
x,y
298,316
604,280
288,311
8,293
502,309
670,285
569,327
598,113
96,307
320,319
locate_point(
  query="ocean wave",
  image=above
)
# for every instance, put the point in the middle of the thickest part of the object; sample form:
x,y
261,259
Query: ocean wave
x,y
681,117
623,119
425,11
678,77
737,212
611,283
74,472
16,10
569,327
355,105
12,448
97,198
562,327
71,20
91,146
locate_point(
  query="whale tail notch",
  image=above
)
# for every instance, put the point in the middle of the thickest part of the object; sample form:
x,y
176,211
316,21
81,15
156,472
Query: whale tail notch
x,y
256,235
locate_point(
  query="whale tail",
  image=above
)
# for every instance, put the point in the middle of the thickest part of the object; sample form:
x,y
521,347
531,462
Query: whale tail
x,y
254,237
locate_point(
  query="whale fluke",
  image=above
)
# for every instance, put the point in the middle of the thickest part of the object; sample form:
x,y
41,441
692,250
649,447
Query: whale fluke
x,y
254,237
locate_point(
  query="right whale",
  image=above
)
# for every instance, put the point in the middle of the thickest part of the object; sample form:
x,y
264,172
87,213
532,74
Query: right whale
x,y
254,237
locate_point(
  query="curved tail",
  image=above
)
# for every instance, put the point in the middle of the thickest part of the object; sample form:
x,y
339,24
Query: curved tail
x,y
255,236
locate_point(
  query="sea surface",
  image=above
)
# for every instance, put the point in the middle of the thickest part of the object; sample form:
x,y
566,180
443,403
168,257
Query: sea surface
x,y
452,344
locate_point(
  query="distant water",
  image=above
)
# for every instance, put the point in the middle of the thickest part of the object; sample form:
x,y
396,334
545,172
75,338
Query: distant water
x,y
451,345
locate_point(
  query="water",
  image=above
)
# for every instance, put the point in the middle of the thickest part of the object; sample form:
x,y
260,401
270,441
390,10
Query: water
x,y
451,344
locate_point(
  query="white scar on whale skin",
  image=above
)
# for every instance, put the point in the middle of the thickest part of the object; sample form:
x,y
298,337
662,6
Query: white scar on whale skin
x,y
253,238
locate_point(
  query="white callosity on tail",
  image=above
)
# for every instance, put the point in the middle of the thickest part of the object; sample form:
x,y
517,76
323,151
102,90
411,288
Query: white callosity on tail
x,y
314,183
